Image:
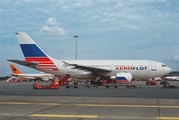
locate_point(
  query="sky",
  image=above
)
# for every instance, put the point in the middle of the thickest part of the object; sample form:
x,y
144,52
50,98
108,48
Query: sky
x,y
107,29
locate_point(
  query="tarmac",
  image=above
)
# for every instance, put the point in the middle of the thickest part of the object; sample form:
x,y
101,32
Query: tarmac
x,y
19,101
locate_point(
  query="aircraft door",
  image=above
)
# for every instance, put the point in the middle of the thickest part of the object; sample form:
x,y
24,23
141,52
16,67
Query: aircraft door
x,y
153,66
112,67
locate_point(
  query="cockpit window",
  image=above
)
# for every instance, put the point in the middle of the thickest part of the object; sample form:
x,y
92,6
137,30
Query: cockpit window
x,y
163,65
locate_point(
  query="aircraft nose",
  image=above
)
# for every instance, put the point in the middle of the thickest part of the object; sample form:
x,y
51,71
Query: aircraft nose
x,y
168,70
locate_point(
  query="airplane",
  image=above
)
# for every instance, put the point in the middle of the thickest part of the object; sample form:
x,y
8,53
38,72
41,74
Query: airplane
x,y
172,78
122,71
16,73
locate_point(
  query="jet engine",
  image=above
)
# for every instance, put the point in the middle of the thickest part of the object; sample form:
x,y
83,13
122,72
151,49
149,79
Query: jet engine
x,y
122,77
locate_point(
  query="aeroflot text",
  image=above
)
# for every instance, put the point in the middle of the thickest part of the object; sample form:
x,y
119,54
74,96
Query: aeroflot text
x,y
130,68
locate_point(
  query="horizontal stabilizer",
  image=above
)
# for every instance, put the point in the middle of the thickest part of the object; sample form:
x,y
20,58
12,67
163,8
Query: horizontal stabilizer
x,y
25,63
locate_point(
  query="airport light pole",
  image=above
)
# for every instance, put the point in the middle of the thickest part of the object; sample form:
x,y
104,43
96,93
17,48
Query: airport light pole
x,y
76,36
177,65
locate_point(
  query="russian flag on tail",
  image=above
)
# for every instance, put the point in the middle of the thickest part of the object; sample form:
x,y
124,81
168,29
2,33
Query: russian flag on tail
x,y
33,53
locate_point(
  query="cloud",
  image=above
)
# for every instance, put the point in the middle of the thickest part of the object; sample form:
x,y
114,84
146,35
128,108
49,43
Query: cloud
x,y
52,28
1,10
157,35
131,26
176,57
145,42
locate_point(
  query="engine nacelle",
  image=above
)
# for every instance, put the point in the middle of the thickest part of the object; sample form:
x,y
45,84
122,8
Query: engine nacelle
x,y
122,77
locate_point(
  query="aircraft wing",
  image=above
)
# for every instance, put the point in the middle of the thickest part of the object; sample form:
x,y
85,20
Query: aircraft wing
x,y
87,68
25,63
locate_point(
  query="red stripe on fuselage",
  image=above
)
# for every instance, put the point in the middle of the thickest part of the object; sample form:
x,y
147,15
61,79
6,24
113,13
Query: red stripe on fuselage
x,y
41,60
47,67
44,63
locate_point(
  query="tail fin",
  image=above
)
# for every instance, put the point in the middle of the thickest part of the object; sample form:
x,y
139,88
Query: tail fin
x,y
14,69
33,53
29,48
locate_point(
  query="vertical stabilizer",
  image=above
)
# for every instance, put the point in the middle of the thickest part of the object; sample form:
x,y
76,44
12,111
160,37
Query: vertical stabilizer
x,y
14,69
29,48
33,53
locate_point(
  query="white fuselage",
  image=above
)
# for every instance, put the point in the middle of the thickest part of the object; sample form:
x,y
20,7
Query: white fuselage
x,y
34,76
140,69
172,78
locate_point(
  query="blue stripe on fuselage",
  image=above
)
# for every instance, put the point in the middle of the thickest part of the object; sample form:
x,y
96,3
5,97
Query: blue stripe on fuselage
x,y
121,78
31,50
